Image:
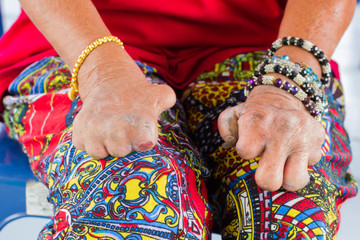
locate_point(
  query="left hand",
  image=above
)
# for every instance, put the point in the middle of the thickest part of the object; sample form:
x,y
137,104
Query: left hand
x,y
276,126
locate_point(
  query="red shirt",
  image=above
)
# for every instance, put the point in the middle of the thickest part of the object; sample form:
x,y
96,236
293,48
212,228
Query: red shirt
x,y
181,38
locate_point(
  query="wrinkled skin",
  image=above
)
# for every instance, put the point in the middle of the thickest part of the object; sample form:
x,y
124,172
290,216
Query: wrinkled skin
x,y
115,124
120,107
276,126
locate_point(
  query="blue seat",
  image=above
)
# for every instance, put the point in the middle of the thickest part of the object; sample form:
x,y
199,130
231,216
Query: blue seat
x,y
15,175
1,25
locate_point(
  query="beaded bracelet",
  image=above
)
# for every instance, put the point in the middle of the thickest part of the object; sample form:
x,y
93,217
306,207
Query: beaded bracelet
x,y
294,68
315,109
310,89
74,83
308,46
305,78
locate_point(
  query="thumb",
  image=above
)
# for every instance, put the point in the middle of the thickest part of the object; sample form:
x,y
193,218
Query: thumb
x,y
228,125
166,97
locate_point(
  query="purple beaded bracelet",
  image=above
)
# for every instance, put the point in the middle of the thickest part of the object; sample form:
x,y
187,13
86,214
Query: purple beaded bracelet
x,y
315,109
311,87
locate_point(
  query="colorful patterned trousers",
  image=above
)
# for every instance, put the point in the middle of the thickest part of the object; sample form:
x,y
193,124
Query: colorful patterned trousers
x,y
187,185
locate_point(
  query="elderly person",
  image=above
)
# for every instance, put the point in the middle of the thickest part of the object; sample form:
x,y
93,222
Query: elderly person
x,y
256,142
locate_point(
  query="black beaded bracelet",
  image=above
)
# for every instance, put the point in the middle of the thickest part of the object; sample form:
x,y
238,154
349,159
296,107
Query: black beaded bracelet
x,y
305,79
315,95
308,46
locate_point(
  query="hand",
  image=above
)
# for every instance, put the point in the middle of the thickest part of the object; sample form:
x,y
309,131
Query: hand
x,y
276,126
120,110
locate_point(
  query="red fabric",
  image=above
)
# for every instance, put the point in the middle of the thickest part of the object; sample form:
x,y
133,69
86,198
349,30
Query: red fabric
x,y
181,38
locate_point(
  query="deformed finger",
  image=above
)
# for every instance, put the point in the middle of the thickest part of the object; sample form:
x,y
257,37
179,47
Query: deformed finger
x,y
315,157
296,172
95,149
253,130
144,134
167,97
227,123
118,149
269,174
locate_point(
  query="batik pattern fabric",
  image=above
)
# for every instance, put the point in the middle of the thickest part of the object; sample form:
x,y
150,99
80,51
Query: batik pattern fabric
x,y
156,194
160,193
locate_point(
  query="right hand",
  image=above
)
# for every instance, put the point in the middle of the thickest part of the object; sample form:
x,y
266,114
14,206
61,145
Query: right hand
x,y
120,109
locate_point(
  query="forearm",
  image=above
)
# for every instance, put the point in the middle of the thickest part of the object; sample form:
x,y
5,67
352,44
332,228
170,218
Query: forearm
x,y
322,22
69,25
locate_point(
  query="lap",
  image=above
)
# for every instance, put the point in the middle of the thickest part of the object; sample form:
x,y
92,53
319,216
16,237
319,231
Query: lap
x,y
40,115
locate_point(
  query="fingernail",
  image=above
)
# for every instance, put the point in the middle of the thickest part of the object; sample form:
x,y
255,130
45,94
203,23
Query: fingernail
x,y
145,146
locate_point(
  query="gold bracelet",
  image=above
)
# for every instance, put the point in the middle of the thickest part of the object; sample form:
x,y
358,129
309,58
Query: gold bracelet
x,y
74,83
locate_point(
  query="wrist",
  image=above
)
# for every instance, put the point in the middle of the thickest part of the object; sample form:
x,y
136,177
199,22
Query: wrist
x,y
108,63
308,87
101,57
266,94
110,78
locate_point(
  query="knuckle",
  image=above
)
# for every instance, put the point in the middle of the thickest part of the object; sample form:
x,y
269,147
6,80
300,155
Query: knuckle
x,y
118,154
257,121
117,148
265,184
168,95
310,134
256,114
113,134
315,157
296,181
225,115
240,150
77,141
290,123
247,150
262,180
77,122
97,154
96,150
228,126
